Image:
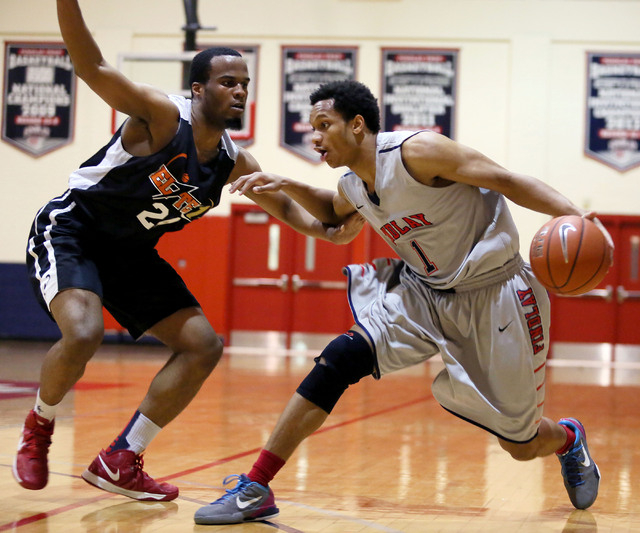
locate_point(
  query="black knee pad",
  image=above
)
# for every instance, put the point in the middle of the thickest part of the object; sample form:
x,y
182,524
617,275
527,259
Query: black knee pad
x,y
344,361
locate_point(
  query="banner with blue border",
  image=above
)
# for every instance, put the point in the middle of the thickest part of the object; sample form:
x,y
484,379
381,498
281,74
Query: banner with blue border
x,y
419,89
613,109
39,97
304,68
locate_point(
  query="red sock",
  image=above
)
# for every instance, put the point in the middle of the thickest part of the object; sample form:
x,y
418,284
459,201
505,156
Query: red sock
x,y
571,438
265,468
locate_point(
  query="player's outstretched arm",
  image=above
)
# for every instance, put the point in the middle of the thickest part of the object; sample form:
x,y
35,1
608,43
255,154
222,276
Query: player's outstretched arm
x,y
429,156
306,209
150,106
319,202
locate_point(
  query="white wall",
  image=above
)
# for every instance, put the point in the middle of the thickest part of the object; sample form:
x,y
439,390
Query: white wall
x,y
521,88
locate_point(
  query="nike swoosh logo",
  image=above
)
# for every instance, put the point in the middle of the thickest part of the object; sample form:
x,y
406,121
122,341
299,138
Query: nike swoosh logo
x,y
564,230
114,476
586,461
359,206
505,327
243,504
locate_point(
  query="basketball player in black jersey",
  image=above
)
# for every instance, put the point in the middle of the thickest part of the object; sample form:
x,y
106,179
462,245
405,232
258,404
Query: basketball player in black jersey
x,y
94,245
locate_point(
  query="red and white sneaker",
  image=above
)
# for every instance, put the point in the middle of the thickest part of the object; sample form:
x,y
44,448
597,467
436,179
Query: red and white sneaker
x,y
121,472
30,467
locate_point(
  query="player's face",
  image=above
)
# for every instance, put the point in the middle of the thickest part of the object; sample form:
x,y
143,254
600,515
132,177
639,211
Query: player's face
x,y
225,93
331,137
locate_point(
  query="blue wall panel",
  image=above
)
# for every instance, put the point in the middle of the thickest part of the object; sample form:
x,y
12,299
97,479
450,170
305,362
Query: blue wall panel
x,y
21,317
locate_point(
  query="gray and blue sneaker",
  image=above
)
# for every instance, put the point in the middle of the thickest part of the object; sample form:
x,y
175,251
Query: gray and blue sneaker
x,y
580,472
248,501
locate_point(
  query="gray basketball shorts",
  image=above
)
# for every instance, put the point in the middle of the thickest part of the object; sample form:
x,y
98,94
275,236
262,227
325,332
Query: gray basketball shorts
x,y
492,333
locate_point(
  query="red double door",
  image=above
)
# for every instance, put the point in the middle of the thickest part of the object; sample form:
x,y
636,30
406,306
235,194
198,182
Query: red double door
x,y
611,312
282,281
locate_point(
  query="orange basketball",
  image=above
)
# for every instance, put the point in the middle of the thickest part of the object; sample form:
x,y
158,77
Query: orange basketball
x,y
570,255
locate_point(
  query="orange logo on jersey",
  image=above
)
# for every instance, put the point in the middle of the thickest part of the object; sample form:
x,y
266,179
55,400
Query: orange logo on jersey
x,y
179,192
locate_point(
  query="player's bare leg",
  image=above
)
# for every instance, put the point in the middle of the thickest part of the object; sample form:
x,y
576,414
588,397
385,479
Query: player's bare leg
x,y
299,419
343,362
78,314
196,351
551,437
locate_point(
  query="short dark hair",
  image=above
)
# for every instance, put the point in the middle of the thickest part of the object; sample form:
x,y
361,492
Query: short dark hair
x,y
350,98
201,63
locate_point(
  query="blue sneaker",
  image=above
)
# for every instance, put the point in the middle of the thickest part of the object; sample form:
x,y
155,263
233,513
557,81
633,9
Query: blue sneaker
x,y
580,472
247,502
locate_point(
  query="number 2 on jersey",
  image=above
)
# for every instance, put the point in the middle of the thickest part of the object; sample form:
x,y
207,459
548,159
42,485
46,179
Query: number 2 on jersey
x,y
147,218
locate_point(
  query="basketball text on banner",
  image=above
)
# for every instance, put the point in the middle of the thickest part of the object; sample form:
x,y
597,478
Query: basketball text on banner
x,y
419,89
303,70
39,97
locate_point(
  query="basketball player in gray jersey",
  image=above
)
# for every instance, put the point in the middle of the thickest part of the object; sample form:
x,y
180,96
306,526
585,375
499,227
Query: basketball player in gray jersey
x,y
460,289
94,245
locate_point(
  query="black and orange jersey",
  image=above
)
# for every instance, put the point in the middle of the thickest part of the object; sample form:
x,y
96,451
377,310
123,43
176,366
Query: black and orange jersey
x,y
117,196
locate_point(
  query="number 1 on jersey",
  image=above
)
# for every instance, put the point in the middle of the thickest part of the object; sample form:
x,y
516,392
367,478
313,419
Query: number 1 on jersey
x,y
429,267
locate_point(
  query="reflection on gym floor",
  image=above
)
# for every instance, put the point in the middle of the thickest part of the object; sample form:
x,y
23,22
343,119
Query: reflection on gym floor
x,y
389,458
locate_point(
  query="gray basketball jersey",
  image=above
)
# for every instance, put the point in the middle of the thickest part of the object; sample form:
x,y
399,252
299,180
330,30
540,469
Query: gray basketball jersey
x,y
446,235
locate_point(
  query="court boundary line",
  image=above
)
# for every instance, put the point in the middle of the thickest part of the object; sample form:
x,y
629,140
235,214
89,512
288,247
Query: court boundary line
x,y
69,507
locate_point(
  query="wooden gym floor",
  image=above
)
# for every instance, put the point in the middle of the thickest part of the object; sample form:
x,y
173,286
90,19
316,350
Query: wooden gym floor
x,y
388,460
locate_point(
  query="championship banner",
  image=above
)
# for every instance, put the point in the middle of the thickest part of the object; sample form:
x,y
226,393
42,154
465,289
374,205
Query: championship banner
x,y
613,109
419,89
39,97
303,70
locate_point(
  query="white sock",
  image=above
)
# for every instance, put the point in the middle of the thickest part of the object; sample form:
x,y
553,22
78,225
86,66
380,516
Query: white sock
x,y
44,410
141,434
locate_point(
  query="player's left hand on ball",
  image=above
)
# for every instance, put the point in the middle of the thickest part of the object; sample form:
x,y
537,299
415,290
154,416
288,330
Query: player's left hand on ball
x,y
592,215
604,231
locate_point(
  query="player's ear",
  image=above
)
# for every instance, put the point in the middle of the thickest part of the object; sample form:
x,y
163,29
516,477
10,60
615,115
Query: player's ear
x,y
358,125
196,88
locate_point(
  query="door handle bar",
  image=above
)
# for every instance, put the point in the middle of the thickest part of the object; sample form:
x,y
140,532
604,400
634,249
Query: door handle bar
x,y
298,283
623,294
282,282
601,294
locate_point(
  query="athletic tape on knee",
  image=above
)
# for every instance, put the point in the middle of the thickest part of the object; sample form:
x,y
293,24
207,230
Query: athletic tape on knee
x,y
344,361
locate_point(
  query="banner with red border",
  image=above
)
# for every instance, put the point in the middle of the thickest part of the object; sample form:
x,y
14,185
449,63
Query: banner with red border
x,y
247,134
612,132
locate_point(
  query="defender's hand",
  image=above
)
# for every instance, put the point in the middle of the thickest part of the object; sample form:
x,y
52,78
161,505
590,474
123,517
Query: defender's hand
x,y
257,182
